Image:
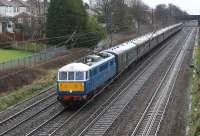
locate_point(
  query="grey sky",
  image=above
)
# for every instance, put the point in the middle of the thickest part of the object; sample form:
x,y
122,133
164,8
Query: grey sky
x,y
191,6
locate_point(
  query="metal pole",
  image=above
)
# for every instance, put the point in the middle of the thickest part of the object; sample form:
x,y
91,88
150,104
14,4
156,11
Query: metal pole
x,y
108,19
152,16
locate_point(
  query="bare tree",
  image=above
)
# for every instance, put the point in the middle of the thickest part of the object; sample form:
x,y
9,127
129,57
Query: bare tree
x,y
140,13
166,14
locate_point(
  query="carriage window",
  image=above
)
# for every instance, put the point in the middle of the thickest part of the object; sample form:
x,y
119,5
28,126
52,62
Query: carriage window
x,y
63,76
70,75
79,75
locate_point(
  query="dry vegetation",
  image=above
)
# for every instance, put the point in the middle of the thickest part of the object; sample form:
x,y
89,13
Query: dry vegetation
x,y
195,96
10,98
16,86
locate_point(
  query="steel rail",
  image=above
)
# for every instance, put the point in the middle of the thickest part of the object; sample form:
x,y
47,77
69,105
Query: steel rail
x,y
116,93
158,102
113,111
25,120
63,111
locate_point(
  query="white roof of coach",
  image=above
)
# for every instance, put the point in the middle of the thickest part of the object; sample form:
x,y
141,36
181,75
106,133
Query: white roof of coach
x,y
139,40
75,67
166,29
159,32
122,47
142,39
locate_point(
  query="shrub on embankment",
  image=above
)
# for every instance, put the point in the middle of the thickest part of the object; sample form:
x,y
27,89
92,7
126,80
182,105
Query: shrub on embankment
x,y
69,18
195,95
8,99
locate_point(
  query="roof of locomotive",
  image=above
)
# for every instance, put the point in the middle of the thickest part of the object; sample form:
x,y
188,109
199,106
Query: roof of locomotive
x,y
72,67
88,62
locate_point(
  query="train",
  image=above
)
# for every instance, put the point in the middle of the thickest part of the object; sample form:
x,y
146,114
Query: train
x,y
78,81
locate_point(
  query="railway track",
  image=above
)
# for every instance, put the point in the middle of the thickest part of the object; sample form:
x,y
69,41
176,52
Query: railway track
x,y
29,112
151,119
11,111
56,124
32,107
104,120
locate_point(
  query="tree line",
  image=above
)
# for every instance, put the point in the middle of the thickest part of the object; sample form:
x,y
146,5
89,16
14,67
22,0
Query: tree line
x,y
130,14
69,17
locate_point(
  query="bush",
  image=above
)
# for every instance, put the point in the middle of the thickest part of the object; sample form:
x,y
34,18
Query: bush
x,y
93,34
68,16
64,17
95,27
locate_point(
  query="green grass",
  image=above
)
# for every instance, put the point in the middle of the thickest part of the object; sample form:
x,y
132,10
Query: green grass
x,y
195,97
33,47
6,55
11,98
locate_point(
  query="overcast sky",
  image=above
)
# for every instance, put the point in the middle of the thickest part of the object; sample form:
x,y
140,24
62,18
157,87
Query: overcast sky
x,y
191,6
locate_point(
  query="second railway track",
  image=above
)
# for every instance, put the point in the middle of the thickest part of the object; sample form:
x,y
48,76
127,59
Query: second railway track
x,y
150,120
101,123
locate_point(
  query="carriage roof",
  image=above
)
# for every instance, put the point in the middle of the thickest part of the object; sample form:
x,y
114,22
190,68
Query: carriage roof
x,y
122,47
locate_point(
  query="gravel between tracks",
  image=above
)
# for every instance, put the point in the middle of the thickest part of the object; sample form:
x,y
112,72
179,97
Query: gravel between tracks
x,y
127,121
56,63
175,121
14,109
73,124
27,114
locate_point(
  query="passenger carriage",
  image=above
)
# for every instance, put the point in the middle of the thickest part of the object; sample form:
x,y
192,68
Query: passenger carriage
x,y
125,54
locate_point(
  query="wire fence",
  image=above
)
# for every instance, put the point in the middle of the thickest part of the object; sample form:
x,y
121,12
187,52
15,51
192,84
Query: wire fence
x,y
33,59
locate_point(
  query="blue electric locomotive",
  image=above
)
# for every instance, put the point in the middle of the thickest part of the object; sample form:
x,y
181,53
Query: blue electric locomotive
x,y
77,81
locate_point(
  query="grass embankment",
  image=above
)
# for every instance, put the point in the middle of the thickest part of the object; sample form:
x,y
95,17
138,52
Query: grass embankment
x,y
195,95
11,98
6,55
33,47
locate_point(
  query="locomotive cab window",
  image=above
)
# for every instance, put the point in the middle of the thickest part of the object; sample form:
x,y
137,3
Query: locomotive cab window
x,y
71,76
79,75
63,76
